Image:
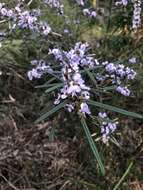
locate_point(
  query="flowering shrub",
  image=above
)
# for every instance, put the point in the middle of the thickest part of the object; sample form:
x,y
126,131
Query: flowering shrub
x,y
19,18
81,77
136,20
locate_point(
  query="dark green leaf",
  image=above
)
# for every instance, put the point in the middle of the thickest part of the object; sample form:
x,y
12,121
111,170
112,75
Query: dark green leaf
x,y
108,88
52,111
123,177
54,87
114,109
92,145
91,77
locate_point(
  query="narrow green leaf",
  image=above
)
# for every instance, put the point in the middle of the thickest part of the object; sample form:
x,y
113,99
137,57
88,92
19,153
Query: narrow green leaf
x,y
92,145
52,111
46,84
91,69
108,88
82,182
114,109
54,88
91,77
123,177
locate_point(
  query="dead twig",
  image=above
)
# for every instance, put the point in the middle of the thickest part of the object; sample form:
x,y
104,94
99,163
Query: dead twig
x,y
9,183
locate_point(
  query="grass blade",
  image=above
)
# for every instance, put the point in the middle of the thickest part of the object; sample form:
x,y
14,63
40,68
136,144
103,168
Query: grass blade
x,y
91,77
54,88
90,186
109,88
92,145
52,111
114,109
123,177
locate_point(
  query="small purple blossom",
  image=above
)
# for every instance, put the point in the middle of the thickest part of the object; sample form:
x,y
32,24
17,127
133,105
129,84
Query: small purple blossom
x,y
122,2
27,21
55,4
133,60
102,114
66,31
136,22
107,127
123,90
81,2
44,28
40,69
110,68
84,109
70,107
89,13
117,74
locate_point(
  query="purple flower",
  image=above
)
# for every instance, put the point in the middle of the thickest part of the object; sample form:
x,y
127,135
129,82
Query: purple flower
x,y
86,12
110,68
117,74
4,11
133,60
93,14
24,19
74,84
85,95
73,89
39,70
130,73
136,22
57,53
123,90
107,127
84,109
70,107
55,4
81,2
89,13
66,31
45,28
102,115
122,2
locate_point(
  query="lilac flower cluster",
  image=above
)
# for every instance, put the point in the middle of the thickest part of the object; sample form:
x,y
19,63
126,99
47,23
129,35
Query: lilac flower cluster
x,y
24,19
89,13
55,4
122,2
74,87
123,90
117,74
40,68
71,63
107,127
136,22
